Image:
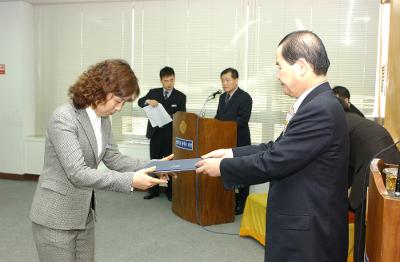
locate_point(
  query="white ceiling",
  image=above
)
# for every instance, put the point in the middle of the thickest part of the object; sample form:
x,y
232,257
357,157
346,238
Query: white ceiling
x,y
65,1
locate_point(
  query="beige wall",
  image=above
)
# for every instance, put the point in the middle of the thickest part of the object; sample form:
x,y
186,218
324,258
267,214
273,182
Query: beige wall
x,y
392,115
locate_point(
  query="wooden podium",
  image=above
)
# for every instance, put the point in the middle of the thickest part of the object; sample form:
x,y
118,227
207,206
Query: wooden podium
x,y
201,199
383,218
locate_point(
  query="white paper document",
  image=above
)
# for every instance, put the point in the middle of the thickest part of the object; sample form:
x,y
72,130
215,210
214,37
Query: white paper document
x,y
158,116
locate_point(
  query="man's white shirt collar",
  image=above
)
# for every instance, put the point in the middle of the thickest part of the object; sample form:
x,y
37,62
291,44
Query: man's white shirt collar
x,y
303,96
168,91
233,92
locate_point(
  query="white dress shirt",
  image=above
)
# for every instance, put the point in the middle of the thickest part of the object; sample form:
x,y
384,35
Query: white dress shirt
x,y
96,124
301,98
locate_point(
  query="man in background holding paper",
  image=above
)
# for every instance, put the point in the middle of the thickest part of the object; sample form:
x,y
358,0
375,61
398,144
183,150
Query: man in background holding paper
x,y
159,128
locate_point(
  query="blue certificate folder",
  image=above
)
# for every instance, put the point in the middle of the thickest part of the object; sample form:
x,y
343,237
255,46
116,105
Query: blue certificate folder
x,y
174,165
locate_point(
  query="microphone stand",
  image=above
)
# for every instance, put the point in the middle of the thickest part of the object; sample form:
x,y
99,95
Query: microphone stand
x,y
203,108
208,99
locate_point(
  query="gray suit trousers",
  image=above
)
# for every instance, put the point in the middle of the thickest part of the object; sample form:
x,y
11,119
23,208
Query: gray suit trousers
x,y
65,245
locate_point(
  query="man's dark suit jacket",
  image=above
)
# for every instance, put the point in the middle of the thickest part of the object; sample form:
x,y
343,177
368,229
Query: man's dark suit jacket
x,y
355,110
307,167
366,139
239,110
175,102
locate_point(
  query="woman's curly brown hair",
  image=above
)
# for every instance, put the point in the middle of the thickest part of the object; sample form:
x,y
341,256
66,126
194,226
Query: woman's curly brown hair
x,y
110,76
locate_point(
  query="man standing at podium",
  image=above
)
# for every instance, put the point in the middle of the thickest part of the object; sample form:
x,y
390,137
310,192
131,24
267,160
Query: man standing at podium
x,y
306,166
235,105
161,137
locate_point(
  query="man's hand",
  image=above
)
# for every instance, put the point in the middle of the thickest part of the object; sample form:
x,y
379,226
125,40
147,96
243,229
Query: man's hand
x,y
152,102
209,166
219,153
143,180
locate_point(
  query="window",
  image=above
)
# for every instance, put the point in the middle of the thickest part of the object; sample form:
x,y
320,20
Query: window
x,y
199,39
70,38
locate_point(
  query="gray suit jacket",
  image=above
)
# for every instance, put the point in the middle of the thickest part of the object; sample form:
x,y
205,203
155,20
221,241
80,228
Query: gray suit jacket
x,y
70,175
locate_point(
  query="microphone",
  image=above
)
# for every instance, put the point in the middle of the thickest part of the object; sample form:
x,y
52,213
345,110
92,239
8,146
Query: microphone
x,y
218,92
209,98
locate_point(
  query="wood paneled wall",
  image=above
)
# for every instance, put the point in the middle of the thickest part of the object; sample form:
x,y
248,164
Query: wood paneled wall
x,y
392,111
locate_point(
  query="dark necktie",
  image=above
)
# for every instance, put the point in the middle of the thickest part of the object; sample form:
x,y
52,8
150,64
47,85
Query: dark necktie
x,y
165,95
227,99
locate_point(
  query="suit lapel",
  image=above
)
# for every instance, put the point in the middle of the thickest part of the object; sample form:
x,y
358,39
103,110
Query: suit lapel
x,y
162,95
105,137
172,95
224,104
235,96
324,87
318,90
170,101
84,120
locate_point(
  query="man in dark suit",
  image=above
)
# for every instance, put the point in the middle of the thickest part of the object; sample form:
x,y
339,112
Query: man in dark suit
x,y
306,166
235,105
367,138
161,137
343,93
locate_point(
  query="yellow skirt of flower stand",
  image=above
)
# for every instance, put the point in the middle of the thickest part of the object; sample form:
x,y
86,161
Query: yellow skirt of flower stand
x,y
253,221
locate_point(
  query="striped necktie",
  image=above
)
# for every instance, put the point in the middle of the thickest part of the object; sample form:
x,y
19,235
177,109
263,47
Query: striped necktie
x,y
289,114
289,117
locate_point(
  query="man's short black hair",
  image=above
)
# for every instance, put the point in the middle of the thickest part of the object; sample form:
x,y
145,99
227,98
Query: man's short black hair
x,y
233,71
167,71
345,106
341,91
305,44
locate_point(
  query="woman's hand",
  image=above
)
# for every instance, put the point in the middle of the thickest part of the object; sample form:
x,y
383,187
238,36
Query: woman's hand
x,y
167,158
167,175
143,180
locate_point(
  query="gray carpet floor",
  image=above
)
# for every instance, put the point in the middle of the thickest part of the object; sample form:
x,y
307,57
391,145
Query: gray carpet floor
x,y
128,228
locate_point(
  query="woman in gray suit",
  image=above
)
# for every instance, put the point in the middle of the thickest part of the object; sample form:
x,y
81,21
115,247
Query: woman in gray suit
x,y
79,137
